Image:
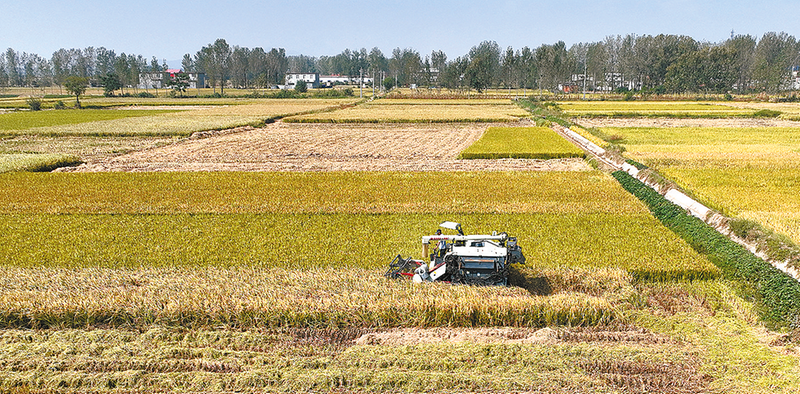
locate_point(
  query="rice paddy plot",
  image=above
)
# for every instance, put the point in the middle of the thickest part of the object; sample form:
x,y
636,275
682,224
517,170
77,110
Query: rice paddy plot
x,y
143,123
636,243
34,161
521,143
20,121
650,109
416,113
331,192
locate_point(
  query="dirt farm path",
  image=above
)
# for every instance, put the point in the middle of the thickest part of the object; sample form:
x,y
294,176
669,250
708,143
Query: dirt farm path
x,y
326,147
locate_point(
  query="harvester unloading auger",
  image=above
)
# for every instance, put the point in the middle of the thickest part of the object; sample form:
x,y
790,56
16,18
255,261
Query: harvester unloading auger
x,y
467,259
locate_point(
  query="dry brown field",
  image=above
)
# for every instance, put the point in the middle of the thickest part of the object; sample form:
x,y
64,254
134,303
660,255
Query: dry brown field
x,y
326,147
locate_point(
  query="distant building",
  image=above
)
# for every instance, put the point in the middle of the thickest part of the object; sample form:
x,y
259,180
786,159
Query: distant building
x,y
330,80
157,80
312,80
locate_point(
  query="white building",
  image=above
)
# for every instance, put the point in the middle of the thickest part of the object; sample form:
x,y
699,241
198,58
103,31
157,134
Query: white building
x,y
157,80
312,79
330,80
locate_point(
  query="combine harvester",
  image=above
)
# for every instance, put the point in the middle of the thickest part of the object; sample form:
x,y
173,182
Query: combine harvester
x,y
464,259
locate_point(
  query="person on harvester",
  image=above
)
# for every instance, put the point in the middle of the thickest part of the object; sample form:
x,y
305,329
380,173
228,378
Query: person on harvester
x,y
441,246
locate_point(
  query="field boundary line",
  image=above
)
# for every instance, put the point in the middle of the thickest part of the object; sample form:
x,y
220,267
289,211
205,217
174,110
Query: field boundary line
x,y
614,162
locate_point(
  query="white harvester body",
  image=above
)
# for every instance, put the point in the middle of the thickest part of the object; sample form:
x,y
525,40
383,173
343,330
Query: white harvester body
x,y
470,259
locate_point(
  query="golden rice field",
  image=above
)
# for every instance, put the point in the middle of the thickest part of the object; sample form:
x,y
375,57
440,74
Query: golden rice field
x,y
182,123
461,101
415,113
250,298
753,173
563,214
268,282
789,111
13,122
330,192
307,240
676,109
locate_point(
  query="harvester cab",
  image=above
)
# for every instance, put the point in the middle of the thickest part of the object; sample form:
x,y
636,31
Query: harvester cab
x,y
460,258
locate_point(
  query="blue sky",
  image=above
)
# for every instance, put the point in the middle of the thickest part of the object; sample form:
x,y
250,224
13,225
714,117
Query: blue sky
x,y
168,29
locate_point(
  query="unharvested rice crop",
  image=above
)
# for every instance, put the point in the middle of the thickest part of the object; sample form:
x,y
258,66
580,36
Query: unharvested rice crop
x,y
247,297
648,109
17,122
296,220
790,111
521,143
182,123
751,172
333,192
35,162
693,139
414,113
636,242
464,101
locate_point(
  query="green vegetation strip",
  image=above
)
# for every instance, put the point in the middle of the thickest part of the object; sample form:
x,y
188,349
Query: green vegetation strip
x,y
23,120
779,292
521,143
35,162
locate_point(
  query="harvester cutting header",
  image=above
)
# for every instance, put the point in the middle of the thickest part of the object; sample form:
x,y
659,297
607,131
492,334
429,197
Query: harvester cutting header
x,y
460,258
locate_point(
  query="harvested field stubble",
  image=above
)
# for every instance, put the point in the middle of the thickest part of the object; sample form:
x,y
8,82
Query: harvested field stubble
x,y
164,360
307,147
417,113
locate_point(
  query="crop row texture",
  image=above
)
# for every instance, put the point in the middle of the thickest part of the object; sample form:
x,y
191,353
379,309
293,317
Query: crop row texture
x,y
247,297
636,243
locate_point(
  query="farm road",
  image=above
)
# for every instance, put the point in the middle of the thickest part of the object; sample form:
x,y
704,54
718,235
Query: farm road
x,y
327,147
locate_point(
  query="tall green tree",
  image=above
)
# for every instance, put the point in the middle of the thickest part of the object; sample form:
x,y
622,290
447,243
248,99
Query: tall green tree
x,y
214,60
76,86
483,70
110,82
711,69
772,59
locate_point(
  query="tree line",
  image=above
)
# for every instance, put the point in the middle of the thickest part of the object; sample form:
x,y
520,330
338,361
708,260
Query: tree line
x,y
658,64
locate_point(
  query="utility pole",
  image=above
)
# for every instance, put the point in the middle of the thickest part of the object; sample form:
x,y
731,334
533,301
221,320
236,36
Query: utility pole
x,y
361,83
584,78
